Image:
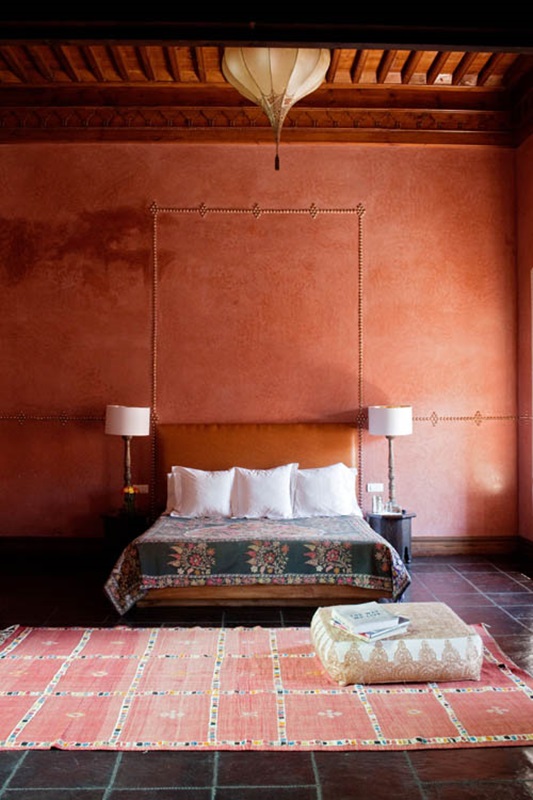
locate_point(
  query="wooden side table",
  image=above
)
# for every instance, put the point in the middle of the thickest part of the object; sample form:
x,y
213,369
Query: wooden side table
x,y
396,529
120,529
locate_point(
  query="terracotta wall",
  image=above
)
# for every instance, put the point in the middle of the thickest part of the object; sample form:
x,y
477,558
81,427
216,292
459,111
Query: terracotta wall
x,y
400,287
525,285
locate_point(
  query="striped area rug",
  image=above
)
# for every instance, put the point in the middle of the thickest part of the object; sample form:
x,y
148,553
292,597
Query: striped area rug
x,y
236,689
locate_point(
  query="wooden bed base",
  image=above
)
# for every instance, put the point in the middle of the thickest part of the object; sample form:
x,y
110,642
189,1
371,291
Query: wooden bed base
x,y
260,594
256,446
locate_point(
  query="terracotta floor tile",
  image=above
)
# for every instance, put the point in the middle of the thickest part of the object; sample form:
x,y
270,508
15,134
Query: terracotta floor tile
x,y
64,769
479,791
267,793
515,763
497,620
523,614
165,769
515,598
364,775
8,762
264,768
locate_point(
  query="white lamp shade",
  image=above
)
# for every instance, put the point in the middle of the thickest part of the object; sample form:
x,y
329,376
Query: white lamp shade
x,y
275,78
127,421
269,74
390,420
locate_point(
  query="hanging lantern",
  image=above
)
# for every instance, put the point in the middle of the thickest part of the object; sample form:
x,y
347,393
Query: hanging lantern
x,y
275,78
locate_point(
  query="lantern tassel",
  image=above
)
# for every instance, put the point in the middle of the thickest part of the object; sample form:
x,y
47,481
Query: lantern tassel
x,y
276,160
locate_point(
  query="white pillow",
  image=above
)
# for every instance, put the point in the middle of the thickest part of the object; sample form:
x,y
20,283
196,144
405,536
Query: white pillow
x,y
264,492
200,493
326,492
171,493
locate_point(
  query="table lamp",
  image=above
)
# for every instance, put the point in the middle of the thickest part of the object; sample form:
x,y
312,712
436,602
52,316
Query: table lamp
x,y
390,421
127,421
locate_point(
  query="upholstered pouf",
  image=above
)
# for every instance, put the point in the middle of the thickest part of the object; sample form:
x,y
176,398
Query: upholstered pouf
x,y
437,646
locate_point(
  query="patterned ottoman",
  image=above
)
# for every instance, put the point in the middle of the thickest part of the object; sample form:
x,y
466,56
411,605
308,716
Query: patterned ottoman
x,y
437,646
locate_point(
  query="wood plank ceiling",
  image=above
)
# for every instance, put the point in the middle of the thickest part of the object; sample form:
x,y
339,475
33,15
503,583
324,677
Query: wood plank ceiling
x,y
98,80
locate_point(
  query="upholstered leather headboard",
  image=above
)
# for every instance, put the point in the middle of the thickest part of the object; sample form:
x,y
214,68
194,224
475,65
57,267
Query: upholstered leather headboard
x,y
256,446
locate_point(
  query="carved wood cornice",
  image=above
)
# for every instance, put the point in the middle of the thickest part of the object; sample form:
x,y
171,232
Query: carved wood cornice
x,y
523,114
249,124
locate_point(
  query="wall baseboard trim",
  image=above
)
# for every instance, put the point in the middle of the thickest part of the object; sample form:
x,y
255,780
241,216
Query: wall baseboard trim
x,y
525,548
463,545
84,552
51,552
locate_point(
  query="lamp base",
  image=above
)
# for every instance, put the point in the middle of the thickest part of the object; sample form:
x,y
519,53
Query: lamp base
x,y
128,497
392,507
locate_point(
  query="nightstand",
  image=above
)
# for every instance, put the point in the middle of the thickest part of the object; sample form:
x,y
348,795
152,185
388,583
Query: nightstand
x,y
120,529
396,529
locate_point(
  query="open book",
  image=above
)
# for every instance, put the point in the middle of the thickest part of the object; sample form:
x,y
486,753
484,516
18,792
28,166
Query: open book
x,y
369,621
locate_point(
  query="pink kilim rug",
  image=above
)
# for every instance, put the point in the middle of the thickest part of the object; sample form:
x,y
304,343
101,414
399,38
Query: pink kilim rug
x,y
236,689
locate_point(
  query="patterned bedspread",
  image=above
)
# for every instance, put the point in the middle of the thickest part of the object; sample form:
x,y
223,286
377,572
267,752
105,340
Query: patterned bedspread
x,y
177,552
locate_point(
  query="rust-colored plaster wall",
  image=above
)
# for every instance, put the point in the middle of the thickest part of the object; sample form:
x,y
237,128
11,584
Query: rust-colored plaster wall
x,y
202,280
525,294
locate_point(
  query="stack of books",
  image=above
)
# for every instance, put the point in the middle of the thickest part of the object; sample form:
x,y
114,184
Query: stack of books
x,y
368,621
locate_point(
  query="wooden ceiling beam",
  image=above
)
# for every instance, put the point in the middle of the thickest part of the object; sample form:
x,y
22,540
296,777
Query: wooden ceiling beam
x,y
411,63
436,67
358,65
13,63
385,65
115,54
39,63
92,62
65,63
462,68
200,64
171,58
223,96
145,61
489,68
333,66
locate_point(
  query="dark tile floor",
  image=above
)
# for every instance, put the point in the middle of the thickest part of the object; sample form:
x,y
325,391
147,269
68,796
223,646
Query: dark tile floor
x,y
496,590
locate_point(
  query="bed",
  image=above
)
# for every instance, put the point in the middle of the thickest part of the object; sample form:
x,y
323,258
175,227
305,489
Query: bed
x,y
256,514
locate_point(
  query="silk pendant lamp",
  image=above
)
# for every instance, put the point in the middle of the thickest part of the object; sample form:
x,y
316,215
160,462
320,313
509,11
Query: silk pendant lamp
x,y
275,78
